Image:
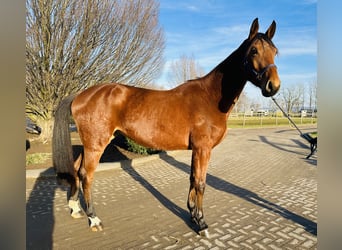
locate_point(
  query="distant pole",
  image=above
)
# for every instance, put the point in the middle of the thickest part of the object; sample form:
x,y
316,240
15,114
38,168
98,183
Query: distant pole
x,y
244,119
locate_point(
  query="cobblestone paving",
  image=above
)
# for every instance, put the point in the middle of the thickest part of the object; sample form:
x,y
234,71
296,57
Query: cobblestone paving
x,y
261,194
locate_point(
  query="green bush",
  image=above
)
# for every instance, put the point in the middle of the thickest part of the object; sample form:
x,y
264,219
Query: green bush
x,y
138,149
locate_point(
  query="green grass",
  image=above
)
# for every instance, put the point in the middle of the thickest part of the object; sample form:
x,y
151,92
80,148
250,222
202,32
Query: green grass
x,y
37,158
267,121
313,134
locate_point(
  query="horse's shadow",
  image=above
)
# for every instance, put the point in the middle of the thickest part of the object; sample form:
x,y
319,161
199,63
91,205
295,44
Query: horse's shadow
x,y
167,203
40,219
285,147
247,195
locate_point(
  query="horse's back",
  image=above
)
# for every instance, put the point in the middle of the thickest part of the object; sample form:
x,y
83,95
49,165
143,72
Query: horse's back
x,y
151,117
163,119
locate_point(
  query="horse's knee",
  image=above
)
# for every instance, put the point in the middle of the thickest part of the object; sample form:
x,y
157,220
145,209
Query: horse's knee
x,y
201,187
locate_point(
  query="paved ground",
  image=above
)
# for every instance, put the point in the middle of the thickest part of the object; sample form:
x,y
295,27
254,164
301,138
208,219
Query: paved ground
x,y
261,194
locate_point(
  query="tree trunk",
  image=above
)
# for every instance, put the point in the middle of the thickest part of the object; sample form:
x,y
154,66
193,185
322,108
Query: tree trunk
x,y
47,128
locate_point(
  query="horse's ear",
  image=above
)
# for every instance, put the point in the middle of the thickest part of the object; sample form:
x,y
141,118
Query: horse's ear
x,y
254,29
271,30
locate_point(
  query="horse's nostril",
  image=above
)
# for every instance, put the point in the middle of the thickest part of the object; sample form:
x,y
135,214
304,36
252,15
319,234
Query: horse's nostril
x,y
269,87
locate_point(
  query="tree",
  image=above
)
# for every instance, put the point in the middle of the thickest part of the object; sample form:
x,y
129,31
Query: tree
x,y
71,45
183,69
243,103
291,97
313,95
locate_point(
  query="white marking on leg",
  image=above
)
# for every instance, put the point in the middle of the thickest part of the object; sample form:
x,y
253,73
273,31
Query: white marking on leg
x,y
76,211
95,223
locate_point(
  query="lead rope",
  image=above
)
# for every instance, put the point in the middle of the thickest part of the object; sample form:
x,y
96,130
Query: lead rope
x,y
287,116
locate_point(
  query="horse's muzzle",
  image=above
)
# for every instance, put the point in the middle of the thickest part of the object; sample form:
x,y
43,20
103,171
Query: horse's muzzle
x,y
270,88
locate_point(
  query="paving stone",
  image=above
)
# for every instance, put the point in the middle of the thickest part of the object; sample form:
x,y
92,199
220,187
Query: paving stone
x,y
261,194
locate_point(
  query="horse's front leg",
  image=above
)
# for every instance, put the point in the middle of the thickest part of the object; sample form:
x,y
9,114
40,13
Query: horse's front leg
x,y
199,165
91,160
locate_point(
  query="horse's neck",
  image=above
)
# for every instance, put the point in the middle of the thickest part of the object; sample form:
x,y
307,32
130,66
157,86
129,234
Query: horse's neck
x,y
227,82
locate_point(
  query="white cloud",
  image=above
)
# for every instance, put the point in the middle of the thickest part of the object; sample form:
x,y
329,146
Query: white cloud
x,y
298,78
232,30
301,41
192,8
297,48
310,1
181,6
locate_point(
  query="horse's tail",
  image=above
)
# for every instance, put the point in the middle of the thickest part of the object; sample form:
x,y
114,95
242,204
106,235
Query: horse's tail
x,y
62,154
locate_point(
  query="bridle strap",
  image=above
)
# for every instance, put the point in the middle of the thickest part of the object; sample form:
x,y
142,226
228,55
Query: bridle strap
x,y
258,74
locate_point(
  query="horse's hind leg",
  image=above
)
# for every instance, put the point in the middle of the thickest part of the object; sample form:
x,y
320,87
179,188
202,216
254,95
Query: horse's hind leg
x,y
91,160
74,204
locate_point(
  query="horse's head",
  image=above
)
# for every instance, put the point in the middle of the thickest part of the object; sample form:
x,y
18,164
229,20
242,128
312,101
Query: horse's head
x,y
259,59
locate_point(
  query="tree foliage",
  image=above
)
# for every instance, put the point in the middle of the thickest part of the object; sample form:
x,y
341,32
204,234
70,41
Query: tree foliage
x,y
243,103
292,97
313,95
183,69
71,45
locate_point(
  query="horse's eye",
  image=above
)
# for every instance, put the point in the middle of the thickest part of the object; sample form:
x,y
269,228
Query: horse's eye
x,y
254,51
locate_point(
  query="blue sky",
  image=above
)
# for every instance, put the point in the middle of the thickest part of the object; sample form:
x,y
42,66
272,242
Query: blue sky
x,y
210,30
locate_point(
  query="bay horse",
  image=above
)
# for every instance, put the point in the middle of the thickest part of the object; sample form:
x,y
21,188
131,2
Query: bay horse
x,y
192,116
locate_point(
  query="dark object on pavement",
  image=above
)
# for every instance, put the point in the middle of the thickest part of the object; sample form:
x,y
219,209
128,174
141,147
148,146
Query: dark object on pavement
x,y
306,136
32,128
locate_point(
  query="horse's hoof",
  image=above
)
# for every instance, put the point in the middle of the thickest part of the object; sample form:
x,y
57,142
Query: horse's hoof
x,y
77,214
204,233
95,224
97,228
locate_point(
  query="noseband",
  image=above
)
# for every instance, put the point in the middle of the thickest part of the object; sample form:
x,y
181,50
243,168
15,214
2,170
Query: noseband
x,y
258,74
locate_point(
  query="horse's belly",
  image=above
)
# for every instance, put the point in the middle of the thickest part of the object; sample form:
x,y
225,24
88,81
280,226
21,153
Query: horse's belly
x,y
161,137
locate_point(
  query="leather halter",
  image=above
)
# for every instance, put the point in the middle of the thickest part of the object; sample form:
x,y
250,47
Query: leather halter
x,y
249,68
258,74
